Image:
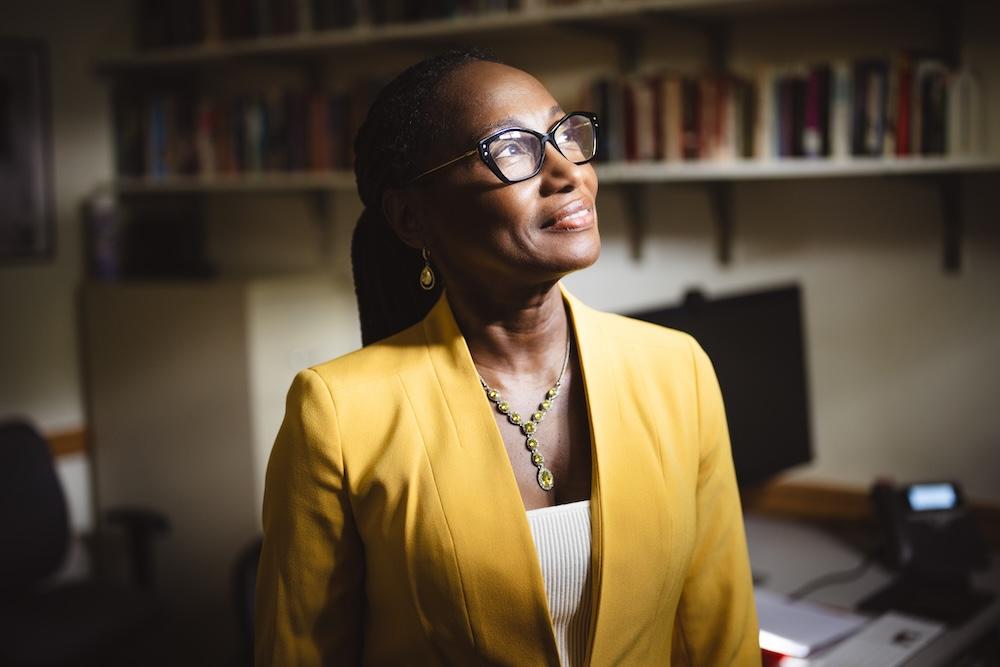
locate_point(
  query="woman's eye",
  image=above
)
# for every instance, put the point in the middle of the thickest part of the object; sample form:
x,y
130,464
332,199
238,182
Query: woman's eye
x,y
509,149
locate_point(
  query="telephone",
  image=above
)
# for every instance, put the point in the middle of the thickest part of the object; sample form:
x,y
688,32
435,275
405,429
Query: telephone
x,y
932,540
928,529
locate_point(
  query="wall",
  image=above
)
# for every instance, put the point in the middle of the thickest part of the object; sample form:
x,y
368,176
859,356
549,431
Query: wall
x,y
39,362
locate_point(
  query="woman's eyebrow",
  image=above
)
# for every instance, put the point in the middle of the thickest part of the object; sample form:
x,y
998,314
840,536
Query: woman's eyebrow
x,y
511,121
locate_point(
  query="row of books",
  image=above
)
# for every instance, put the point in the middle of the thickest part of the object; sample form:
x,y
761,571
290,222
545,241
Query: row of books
x,y
896,106
168,133
893,107
190,22
671,117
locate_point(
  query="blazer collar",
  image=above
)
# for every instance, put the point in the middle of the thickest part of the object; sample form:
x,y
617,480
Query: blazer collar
x,y
506,601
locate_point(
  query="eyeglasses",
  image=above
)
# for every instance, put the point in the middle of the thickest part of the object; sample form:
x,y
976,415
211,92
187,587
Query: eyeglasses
x,y
517,154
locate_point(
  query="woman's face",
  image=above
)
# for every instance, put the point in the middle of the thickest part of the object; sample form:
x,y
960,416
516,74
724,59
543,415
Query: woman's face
x,y
481,231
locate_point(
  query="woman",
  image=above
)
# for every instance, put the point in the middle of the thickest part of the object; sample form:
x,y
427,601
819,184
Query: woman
x,y
497,449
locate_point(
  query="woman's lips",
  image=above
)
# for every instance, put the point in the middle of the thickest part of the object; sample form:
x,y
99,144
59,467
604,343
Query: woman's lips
x,y
574,216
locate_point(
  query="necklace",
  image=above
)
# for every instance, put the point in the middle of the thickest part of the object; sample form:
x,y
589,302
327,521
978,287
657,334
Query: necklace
x,y
530,426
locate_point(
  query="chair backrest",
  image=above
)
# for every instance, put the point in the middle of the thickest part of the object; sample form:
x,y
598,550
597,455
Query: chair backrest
x,y
34,525
244,592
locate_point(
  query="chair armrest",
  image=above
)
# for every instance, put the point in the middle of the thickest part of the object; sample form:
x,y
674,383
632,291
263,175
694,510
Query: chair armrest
x,y
140,526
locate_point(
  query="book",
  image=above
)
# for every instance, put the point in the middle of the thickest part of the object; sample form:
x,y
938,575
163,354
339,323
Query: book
x,y
798,628
904,103
966,121
931,82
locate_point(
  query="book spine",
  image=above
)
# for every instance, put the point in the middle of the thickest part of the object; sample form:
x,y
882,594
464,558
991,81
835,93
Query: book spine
x,y
629,104
764,114
904,97
812,130
657,126
690,119
673,131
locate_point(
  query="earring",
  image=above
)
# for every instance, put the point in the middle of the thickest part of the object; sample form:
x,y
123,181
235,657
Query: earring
x,y
426,273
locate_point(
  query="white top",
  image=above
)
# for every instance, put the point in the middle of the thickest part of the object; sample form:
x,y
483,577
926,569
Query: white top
x,y
562,538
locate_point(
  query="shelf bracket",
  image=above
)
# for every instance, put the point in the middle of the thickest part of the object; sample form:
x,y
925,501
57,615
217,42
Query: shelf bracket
x,y
322,202
950,187
720,200
635,214
322,205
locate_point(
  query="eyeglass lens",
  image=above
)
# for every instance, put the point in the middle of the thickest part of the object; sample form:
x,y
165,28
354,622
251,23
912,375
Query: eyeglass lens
x,y
518,154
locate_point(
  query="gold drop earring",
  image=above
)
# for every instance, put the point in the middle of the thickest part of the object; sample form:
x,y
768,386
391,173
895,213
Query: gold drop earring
x,y
426,273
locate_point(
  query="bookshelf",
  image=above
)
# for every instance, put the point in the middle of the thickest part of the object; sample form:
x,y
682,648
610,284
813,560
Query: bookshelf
x,y
621,24
602,14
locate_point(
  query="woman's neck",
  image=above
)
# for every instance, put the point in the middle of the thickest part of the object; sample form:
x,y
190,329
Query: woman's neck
x,y
519,334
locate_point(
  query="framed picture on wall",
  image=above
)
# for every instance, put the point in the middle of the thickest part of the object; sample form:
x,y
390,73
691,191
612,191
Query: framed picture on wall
x,y
26,209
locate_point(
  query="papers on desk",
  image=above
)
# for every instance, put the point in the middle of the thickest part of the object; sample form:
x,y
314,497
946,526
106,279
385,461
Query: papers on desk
x,y
888,641
798,627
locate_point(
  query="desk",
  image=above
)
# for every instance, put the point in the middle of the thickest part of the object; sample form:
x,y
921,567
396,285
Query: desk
x,y
785,554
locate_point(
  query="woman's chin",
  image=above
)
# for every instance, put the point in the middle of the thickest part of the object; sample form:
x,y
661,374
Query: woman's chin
x,y
574,251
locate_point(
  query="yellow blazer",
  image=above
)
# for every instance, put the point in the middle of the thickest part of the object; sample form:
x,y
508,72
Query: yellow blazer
x,y
395,534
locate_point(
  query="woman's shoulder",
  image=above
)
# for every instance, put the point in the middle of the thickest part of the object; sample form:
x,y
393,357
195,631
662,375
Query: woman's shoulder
x,y
376,363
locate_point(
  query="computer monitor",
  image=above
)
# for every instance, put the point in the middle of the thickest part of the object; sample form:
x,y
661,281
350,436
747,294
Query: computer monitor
x,y
756,342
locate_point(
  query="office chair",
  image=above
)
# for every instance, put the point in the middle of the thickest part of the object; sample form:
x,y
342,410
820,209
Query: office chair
x,y
244,590
73,624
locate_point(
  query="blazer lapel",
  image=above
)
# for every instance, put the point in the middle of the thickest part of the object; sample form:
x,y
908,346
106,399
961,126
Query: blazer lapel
x,y
630,521
501,578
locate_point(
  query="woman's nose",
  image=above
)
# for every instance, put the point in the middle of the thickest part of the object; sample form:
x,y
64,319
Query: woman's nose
x,y
559,173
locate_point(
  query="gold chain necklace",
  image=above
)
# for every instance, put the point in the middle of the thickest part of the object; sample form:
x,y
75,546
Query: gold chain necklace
x,y
530,426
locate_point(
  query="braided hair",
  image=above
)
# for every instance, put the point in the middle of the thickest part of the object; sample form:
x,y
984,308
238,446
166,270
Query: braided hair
x,y
404,120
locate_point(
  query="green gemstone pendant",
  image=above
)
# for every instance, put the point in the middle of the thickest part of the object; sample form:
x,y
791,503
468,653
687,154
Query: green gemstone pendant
x,y
544,475
545,479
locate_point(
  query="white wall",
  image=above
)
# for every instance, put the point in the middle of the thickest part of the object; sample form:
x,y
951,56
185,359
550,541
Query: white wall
x,y
292,323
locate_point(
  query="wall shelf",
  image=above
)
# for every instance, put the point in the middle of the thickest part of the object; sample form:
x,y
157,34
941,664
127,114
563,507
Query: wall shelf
x,y
631,177
595,13
609,174
623,22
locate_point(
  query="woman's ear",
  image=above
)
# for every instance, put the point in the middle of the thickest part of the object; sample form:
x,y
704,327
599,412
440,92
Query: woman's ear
x,y
399,210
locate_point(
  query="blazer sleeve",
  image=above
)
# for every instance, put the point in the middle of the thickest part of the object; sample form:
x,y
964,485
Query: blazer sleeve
x,y
310,581
716,623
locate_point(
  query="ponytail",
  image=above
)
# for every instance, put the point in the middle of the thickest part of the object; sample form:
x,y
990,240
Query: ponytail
x,y
402,123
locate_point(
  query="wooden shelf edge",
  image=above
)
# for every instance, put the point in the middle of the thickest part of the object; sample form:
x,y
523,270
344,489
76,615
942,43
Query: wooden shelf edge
x,y
608,173
790,168
65,443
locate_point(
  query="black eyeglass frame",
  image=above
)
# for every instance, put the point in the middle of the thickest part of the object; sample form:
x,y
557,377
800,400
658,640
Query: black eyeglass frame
x,y
483,148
